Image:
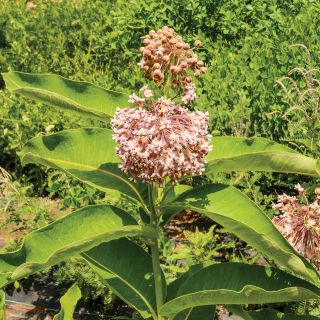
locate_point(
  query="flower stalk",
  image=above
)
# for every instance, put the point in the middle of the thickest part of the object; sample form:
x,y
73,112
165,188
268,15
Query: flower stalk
x,y
157,273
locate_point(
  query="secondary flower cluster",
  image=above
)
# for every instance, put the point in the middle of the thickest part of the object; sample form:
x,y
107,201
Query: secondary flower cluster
x,y
162,140
299,222
166,54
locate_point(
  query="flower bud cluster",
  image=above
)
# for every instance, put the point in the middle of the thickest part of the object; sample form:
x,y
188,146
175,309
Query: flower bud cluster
x,y
161,140
166,55
299,222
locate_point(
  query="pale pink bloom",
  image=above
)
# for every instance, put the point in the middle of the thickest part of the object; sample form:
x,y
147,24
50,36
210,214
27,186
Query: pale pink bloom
x,y
133,98
189,93
146,92
300,224
161,140
299,188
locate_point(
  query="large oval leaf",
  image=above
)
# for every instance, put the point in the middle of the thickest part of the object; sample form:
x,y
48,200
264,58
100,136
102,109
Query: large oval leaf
x,y
68,303
239,215
81,97
236,283
87,154
257,154
127,269
66,237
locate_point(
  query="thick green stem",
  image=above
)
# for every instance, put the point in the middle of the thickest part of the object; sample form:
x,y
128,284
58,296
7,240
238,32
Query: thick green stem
x,y
155,253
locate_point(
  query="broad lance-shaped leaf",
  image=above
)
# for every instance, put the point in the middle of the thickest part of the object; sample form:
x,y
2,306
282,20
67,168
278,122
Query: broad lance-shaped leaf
x,y
78,232
257,154
68,303
241,216
87,154
235,283
81,97
127,269
268,314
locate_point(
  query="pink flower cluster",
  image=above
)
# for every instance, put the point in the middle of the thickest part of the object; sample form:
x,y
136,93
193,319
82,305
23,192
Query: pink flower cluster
x,y
160,140
299,222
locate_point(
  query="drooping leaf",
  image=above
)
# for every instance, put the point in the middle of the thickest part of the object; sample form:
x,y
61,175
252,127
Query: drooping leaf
x,y
81,97
2,305
127,269
78,232
87,154
256,154
68,303
239,215
236,283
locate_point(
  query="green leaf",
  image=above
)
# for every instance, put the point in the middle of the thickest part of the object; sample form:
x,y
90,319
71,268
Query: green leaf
x,y
87,154
78,232
68,303
276,315
127,269
236,283
2,305
81,97
239,215
197,313
256,154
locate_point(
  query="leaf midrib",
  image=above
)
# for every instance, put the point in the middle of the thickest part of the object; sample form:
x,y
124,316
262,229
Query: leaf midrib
x,y
88,167
292,154
242,291
127,229
99,265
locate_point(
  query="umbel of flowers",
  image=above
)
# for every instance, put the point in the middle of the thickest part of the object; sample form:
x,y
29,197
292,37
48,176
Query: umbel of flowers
x,y
160,137
299,222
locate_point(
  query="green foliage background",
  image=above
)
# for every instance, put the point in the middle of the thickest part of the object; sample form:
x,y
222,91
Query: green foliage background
x,y
246,46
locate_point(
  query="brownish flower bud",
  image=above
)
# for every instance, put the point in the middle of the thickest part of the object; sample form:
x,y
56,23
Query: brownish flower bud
x,y
157,75
147,52
317,191
166,58
203,69
188,79
174,85
197,74
184,64
146,41
156,66
179,69
179,45
197,43
200,63
173,69
186,46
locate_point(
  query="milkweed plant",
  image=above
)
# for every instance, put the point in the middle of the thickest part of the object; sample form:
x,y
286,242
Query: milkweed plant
x,y
158,140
